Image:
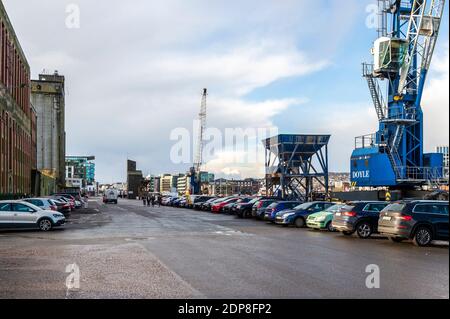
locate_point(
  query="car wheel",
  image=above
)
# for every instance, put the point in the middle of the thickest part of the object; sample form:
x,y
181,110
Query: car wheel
x,y
45,224
423,237
396,239
364,230
299,222
330,227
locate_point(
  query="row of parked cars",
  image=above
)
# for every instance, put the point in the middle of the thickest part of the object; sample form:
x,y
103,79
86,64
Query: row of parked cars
x,y
43,213
422,221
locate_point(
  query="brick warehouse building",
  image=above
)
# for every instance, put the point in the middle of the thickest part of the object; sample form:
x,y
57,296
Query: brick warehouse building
x,y
17,116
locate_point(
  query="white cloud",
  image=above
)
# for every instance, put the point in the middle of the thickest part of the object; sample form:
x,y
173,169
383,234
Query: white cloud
x,y
135,72
435,104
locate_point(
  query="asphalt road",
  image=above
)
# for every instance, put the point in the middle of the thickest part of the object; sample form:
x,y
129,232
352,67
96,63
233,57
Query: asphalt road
x,y
131,251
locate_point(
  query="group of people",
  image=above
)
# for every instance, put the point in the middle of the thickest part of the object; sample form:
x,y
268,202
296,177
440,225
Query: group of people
x,y
152,200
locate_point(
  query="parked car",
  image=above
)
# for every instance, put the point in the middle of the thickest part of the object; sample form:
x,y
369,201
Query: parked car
x,y
197,200
79,204
182,203
228,208
245,209
260,206
323,219
236,207
421,221
43,203
21,214
298,215
360,217
68,197
171,201
198,205
206,206
177,201
273,209
64,200
218,207
63,207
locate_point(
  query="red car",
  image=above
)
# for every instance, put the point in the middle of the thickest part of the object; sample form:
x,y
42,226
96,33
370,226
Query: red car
x,y
218,208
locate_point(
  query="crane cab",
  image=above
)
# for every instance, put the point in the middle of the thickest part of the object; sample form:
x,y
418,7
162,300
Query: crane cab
x,y
389,55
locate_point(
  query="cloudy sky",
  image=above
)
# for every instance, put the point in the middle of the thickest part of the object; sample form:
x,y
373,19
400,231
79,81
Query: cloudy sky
x,y
135,72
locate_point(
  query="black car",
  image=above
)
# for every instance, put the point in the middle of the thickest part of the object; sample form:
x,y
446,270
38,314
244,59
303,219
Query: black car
x,y
421,221
360,217
199,202
245,209
242,204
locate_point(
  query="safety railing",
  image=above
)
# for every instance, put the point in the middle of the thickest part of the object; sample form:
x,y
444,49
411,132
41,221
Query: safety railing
x,y
366,141
430,174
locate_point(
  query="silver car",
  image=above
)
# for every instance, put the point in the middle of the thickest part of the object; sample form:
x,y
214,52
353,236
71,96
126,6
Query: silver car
x,y
43,203
21,214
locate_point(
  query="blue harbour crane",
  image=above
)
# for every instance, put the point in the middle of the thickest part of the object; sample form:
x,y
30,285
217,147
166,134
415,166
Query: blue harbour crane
x,y
394,156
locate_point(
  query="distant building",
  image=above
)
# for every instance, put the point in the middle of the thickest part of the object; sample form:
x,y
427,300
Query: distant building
x,y
48,98
166,183
444,150
81,167
17,117
134,180
224,187
182,184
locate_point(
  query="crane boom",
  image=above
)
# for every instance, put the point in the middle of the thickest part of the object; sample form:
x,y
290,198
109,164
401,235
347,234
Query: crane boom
x,y
200,144
422,33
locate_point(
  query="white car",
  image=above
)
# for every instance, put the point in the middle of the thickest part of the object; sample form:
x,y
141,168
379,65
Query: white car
x,y
21,214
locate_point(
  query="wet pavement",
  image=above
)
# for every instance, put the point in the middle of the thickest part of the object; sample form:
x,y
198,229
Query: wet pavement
x,y
131,251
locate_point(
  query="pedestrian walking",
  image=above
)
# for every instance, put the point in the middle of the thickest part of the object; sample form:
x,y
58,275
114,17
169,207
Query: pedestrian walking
x,y
153,201
148,200
159,200
144,200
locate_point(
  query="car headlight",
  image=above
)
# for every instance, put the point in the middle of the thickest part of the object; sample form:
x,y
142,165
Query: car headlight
x,y
288,215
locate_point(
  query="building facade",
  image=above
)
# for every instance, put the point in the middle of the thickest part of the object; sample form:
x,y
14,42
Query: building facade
x,y
17,116
166,183
134,180
224,187
444,151
80,168
48,98
182,184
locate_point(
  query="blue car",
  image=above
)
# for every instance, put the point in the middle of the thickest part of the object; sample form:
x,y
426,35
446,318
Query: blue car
x,y
275,208
299,214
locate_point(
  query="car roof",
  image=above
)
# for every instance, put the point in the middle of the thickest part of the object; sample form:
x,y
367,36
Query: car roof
x,y
423,201
366,202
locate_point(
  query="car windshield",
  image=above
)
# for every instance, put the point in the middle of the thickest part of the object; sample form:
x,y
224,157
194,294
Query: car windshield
x,y
334,208
302,206
253,201
273,205
396,207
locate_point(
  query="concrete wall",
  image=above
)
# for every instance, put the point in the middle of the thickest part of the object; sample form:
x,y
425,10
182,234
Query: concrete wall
x,y
48,99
